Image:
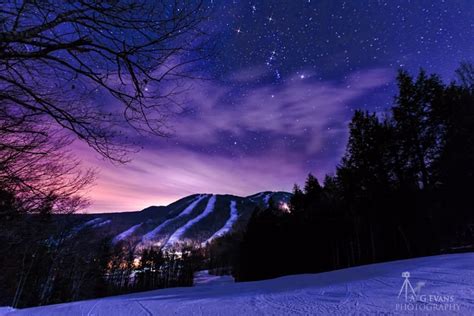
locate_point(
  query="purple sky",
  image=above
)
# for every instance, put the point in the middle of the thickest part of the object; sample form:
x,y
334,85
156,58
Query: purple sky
x,y
284,84
303,118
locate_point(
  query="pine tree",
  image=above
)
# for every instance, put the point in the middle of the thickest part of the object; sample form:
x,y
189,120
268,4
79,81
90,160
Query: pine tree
x,y
297,199
418,127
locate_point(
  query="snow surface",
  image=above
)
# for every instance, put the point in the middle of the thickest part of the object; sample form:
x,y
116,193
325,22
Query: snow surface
x,y
176,236
203,278
106,222
92,222
6,309
256,196
266,199
126,234
153,233
365,290
227,226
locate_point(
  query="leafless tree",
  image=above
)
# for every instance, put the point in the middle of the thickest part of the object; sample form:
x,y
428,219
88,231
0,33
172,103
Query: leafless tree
x,y
92,67
80,69
465,74
43,176
86,69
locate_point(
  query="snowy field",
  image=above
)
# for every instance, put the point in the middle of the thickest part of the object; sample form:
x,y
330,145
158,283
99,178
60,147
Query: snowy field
x,y
439,285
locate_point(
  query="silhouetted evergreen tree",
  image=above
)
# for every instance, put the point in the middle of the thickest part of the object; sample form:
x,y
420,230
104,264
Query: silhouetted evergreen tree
x,y
403,189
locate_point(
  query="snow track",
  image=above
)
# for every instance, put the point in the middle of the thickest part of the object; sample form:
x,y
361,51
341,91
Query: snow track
x,y
255,197
266,199
126,234
178,234
364,290
90,223
154,233
262,195
227,226
106,222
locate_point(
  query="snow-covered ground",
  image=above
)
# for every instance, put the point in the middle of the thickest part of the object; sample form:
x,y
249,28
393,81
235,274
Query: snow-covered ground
x,y
227,226
103,223
126,234
177,235
203,278
90,223
266,199
372,289
152,234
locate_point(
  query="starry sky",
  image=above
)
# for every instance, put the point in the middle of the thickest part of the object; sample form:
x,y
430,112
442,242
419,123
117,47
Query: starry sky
x,y
279,92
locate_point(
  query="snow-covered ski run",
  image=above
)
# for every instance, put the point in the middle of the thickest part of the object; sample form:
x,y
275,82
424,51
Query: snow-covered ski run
x,y
444,285
227,226
151,235
178,234
126,234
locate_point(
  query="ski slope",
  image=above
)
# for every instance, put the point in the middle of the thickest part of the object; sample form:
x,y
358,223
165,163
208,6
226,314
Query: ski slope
x,y
266,199
154,225
126,234
153,233
90,223
227,226
178,234
103,223
365,290
203,278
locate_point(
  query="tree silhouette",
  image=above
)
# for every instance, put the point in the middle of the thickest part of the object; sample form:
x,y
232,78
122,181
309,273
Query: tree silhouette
x,y
56,60
87,70
402,189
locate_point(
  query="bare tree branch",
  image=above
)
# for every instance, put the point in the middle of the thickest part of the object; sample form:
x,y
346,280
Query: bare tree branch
x,y
74,64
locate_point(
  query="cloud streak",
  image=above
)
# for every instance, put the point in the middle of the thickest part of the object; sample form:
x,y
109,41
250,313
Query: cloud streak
x,y
300,108
158,178
310,112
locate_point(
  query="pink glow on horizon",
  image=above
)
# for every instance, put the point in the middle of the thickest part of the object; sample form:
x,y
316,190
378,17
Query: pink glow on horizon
x,y
201,158
163,177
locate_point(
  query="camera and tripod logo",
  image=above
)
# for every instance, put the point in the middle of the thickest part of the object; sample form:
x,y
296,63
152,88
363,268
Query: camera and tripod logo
x,y
407,288
415,301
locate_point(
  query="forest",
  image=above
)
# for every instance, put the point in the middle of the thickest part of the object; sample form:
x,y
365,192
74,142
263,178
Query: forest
x,y
403,189
103,76
48,261
60,65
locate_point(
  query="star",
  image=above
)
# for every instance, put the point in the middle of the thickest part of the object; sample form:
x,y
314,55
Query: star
x,y
277,75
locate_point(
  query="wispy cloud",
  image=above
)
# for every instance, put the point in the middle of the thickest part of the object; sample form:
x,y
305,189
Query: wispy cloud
x,y
161,177
311,112
299,108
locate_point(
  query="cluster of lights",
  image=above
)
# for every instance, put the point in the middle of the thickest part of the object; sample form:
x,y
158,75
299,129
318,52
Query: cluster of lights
x,y
284,207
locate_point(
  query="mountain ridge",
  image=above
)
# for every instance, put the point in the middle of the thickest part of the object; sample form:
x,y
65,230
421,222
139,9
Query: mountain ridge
x,y
198,218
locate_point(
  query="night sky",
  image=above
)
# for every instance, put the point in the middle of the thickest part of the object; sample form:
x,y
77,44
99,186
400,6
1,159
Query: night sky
x,y
280,90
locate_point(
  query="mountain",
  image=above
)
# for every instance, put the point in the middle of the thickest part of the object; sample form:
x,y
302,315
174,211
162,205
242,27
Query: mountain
x,y
197,218
442,286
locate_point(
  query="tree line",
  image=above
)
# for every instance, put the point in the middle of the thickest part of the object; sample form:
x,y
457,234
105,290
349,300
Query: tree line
x,y
56,261
153,268
61,67
402,189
